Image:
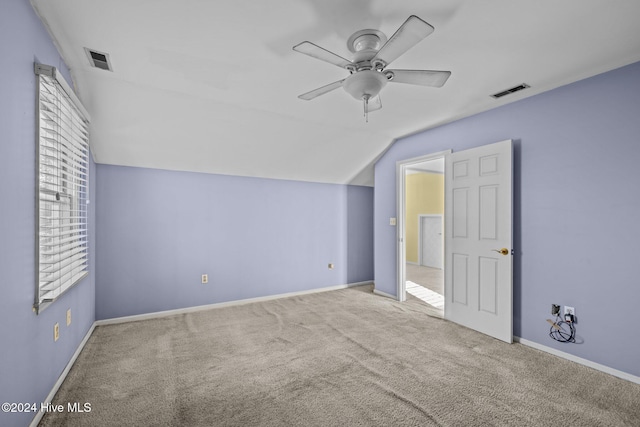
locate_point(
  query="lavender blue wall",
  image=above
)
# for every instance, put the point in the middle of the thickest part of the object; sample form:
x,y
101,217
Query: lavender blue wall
x,y
577,153
359,234
30,361
158,231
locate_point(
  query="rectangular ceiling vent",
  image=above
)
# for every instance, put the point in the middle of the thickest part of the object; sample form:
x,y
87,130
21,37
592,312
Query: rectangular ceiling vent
x,y
510,91
99,59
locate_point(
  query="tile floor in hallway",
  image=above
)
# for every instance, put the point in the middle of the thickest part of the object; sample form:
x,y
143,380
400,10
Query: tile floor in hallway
x,y
427,284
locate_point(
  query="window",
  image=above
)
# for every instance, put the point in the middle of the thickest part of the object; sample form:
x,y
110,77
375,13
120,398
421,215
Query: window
x,y
62,180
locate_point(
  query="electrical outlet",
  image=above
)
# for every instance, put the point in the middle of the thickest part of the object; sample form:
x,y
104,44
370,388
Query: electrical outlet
x,y
56,332
205,278
570,314
68,317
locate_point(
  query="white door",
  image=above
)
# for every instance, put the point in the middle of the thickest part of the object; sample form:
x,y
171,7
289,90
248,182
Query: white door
x,y
478,224
431,241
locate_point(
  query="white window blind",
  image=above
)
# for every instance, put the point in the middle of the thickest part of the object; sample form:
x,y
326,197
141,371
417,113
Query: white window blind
x,y
62,180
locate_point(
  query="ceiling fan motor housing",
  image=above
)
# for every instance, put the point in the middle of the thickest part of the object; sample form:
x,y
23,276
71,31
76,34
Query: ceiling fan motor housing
x,y
366,40
364,45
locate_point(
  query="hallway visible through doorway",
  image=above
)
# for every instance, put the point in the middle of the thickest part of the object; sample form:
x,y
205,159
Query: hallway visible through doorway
x,y
426,284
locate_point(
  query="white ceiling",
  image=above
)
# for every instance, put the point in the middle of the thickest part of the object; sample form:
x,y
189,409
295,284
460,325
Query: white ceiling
x,y
212,86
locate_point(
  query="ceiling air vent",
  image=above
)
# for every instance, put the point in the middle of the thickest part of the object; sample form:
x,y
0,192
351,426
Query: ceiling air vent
x,y
509,91
99,59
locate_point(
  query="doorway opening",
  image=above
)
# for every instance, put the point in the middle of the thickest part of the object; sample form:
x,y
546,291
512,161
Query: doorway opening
x,y
421,230
478,211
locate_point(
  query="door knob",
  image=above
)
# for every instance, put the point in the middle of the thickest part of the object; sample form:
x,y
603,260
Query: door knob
x,y
503,251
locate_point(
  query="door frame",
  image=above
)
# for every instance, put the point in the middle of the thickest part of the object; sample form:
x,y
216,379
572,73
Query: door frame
x,y
420,236
402,166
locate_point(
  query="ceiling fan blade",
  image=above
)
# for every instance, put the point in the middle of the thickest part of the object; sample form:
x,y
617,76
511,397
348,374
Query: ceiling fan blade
x,y
375,103
321,90
315,51
408,35
420,77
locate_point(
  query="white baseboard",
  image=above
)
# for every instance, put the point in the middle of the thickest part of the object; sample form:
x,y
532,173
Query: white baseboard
x,y
165,313
384,294
36,420
580,360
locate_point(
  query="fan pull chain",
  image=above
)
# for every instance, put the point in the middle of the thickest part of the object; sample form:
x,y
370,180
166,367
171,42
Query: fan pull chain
x,y
366,107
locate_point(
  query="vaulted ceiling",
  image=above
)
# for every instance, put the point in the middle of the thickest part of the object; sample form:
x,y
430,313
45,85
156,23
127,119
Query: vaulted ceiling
x,y
212,86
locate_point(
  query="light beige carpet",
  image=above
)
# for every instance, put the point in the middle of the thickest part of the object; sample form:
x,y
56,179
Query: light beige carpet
x,y
339,358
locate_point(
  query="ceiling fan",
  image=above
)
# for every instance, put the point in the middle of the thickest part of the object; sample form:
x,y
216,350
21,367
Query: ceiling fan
x,y
372,53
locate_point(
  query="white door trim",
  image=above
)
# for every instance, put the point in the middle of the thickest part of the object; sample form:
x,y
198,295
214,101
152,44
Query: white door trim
x,y
420,242
402,166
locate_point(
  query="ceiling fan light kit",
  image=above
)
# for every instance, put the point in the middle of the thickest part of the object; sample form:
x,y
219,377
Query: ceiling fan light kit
x,y
372,53
364,84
